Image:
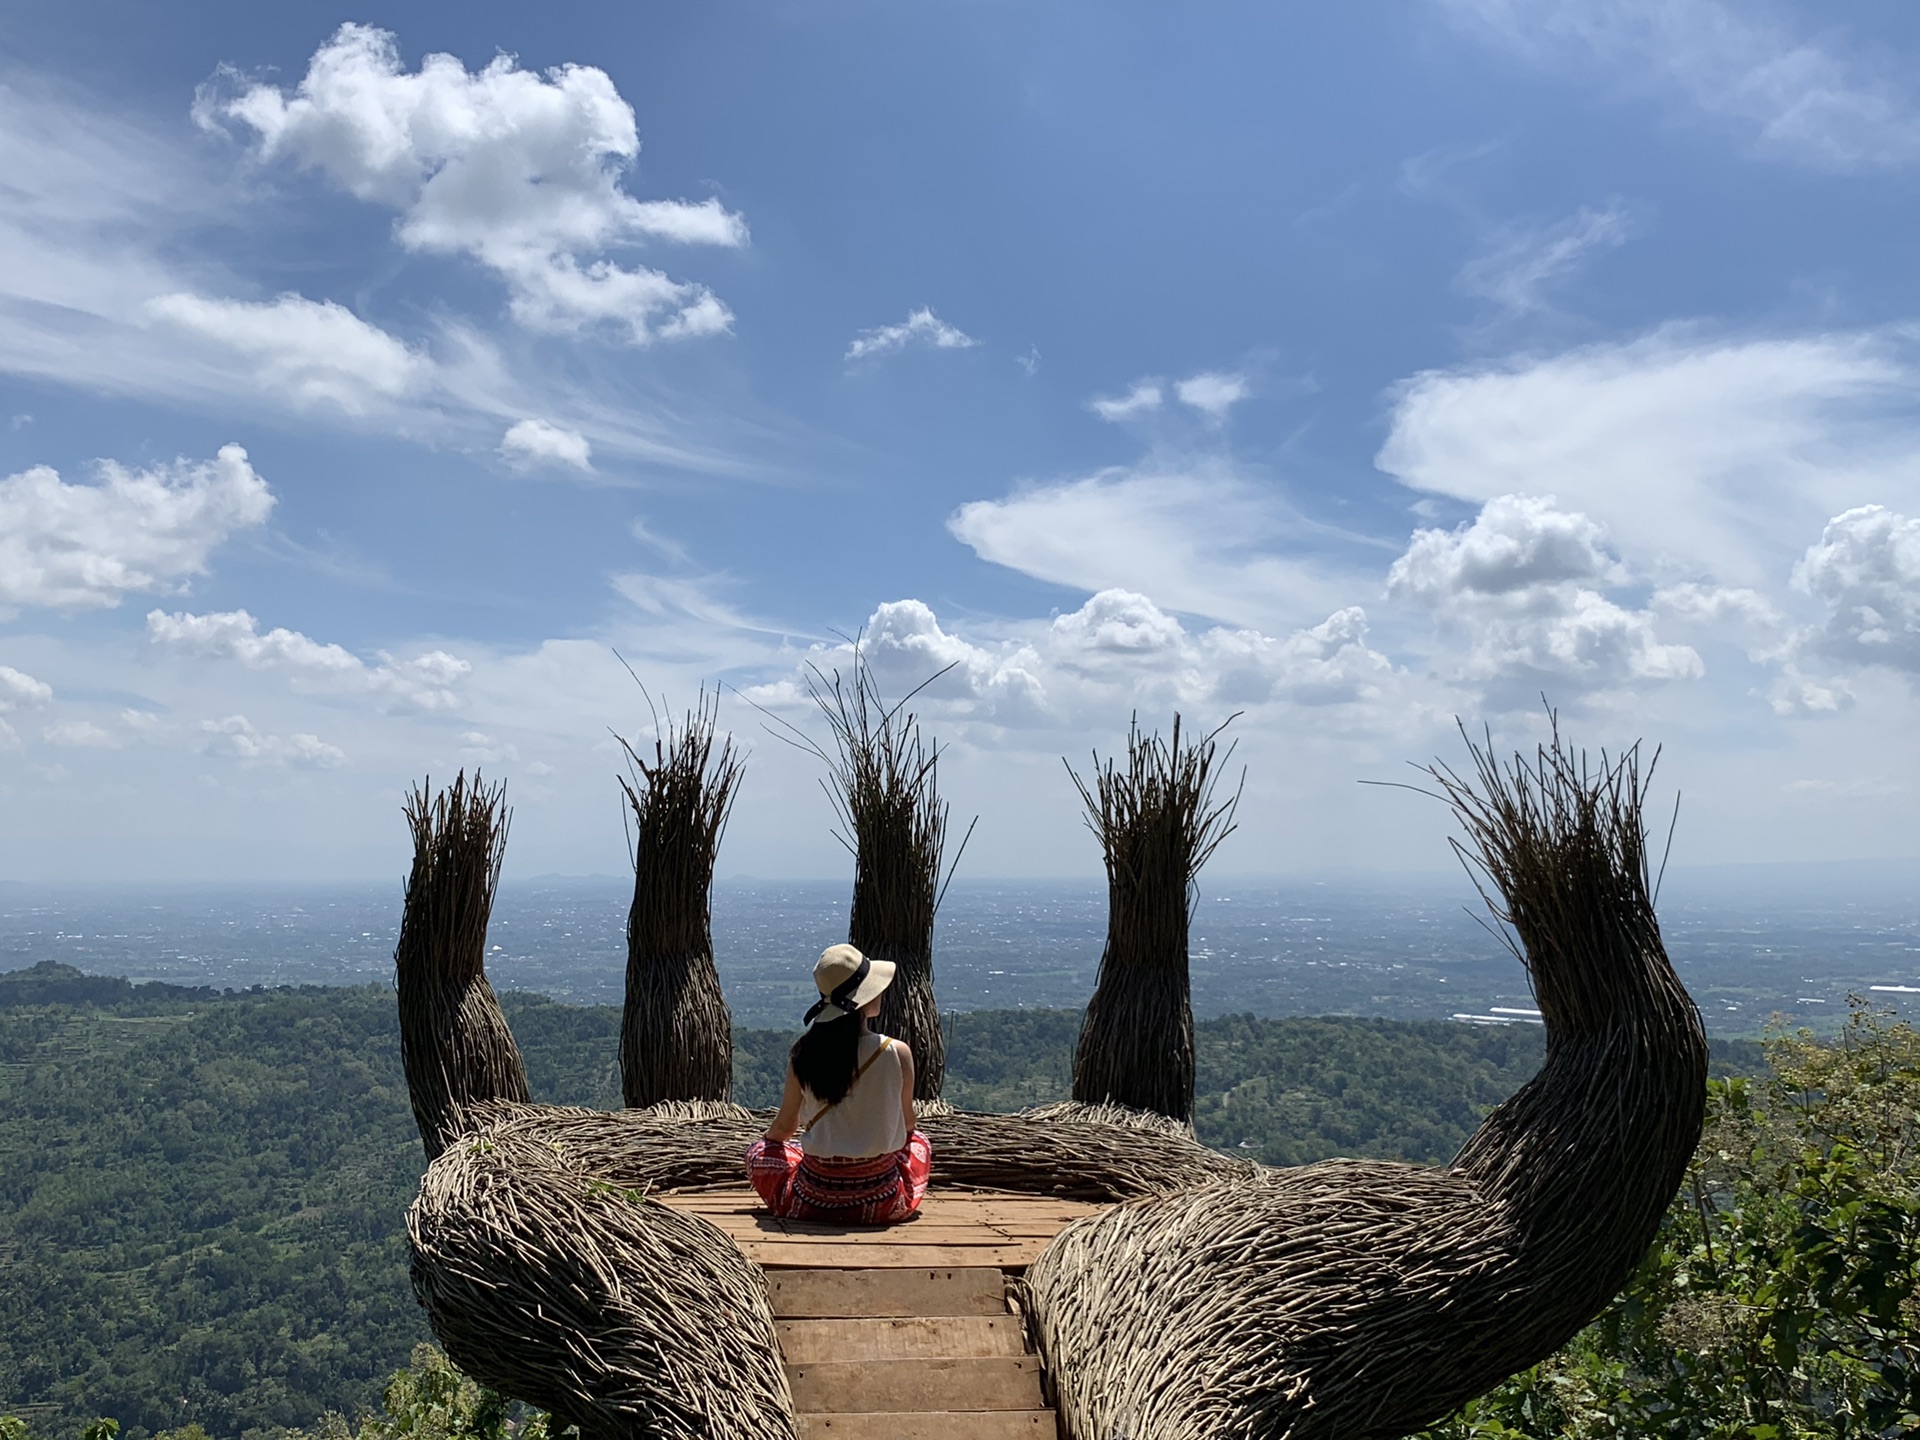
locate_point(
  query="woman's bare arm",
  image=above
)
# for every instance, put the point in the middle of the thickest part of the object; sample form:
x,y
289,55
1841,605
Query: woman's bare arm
x,y
906,1086
787,1120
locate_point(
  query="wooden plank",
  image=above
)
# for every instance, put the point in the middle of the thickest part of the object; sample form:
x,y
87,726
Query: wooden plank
x,y
936,1197
950,1425
951,1204
952,1290
745,1232
905,1337
831,1254
748,1199
760,1232
1000,1382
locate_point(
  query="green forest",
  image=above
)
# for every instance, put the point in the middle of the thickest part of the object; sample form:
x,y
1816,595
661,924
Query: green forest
x,y
202,1194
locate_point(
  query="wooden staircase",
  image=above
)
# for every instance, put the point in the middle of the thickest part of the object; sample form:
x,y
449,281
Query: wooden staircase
x,y
905,1332
906,1353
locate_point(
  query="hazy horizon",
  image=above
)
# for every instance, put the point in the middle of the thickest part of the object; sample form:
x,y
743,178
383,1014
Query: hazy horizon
x,y
1748,941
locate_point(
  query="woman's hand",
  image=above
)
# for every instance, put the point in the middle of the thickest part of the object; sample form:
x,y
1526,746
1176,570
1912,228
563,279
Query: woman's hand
x,y
787,1119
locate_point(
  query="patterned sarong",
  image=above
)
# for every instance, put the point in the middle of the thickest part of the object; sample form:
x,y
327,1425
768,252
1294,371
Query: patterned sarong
x,y
871,1190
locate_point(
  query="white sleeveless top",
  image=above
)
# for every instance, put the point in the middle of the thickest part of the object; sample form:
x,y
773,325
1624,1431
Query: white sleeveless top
x,y
868,1121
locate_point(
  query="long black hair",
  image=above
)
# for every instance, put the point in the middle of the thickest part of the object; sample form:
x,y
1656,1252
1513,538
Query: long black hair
x,y
826,1055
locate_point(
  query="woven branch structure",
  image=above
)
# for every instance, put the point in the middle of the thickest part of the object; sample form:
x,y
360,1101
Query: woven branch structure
x,y
546,1270
1364,1300
453,1039
676,1035
1216,1298
884,785
549,1275
1157,822
550,1282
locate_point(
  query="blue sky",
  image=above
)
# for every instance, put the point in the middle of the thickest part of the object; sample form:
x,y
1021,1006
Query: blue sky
x,y
367,379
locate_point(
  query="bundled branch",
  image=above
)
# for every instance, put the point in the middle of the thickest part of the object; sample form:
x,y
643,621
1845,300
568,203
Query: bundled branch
x,y
1558,850
676,1037
1364,1300
1157,821
1078,1152
620,1316
1563,847
883,780
453,1039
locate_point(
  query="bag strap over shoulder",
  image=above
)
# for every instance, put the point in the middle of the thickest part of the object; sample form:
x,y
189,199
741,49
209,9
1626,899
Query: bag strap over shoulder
x,y
885,1042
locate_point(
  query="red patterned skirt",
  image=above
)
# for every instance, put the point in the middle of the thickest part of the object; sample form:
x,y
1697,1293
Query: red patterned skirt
x,y
872,1190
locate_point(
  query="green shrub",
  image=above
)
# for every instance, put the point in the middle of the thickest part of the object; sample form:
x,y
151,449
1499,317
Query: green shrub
x,y
1782,1301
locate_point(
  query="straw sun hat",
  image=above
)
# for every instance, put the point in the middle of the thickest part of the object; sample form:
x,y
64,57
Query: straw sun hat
x,y
846,980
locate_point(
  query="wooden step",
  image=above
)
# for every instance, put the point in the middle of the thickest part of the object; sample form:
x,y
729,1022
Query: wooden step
x,y
874,1294
913,1337
792,1254
952,1425
1000,1382
758,1229
939,1208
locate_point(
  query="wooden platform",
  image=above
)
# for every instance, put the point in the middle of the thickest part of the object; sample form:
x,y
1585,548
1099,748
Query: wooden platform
x,y
954,1227
903,1331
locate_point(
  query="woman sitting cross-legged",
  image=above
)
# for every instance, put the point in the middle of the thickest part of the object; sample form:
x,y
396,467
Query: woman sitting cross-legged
x,y
859,1160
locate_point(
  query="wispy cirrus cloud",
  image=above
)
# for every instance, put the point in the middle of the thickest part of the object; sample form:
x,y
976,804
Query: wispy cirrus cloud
x,y
1704,457
1521,263
1142,398
1800,100
1191,532
311,351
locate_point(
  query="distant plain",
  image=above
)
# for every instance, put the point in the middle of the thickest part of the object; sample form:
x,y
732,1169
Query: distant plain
x,y
1749,941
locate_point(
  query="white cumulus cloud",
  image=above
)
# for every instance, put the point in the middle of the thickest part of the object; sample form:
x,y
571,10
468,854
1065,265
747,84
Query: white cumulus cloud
x,y
530,444
1523,584
921,327
1866,569
236,738
85,546
20,691
1518,545
521,171
1212,393
1717,605
312,351
79,735
1118,650
1794,693
425,681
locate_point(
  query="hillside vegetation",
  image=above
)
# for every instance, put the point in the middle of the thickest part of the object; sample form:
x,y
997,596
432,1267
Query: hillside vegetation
x,y
202,1193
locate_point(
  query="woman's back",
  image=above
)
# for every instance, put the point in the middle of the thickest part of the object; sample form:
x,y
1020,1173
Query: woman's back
x,y
870,1119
